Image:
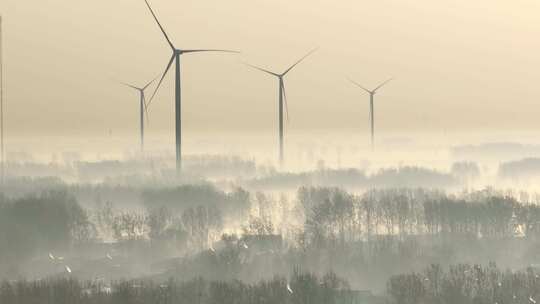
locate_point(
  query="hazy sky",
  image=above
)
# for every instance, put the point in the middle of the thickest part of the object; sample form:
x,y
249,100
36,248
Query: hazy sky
x,y
458,64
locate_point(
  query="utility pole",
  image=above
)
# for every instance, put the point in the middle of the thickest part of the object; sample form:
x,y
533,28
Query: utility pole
x,y
2,156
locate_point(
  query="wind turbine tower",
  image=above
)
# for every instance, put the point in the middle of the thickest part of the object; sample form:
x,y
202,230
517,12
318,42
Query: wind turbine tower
x,y
143,107
372,94
175,58
282,100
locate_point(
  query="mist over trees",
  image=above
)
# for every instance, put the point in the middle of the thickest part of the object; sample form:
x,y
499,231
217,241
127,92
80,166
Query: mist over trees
x,y
495,151
524,169
255,227
301,288
465,283
38,223
407,176
206,232
407,173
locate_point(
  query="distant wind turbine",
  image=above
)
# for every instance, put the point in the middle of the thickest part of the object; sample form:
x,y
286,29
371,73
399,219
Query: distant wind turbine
x,y
371,106
282,99
178,97
143,107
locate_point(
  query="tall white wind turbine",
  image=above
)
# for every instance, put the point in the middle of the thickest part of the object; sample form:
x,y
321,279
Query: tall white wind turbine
x,y
143,107
282,99
175,58
372,94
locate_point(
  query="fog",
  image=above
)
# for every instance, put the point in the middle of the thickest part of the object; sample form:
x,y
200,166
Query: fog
x,y
126,217
440,206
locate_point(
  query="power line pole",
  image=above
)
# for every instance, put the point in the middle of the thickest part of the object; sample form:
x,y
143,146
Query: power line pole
x,y
2,157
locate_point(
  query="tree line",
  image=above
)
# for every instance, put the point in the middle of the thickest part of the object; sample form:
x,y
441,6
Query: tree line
x,y
39,223
465,284
300,288
332,213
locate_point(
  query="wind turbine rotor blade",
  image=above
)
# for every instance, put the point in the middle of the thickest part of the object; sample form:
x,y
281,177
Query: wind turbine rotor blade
x,y
301,59
210,50
146,109
131,86
282,84
261,69
161,80
358,85
159,24
148,84
382,84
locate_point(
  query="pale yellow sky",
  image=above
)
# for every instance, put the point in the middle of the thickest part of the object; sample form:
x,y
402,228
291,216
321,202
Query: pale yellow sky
x,y
459,64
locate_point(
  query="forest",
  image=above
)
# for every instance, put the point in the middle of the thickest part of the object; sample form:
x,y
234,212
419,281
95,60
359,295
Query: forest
x,y
109,241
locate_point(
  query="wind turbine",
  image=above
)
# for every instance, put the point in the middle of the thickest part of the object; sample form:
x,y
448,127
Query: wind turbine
x,y
282,99
143,107
371,106
177,92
